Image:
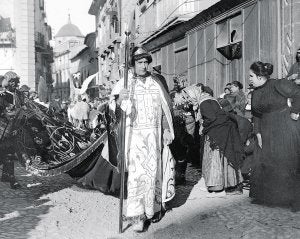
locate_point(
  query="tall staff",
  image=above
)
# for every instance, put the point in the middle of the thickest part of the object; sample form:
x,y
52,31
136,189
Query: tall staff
x,y
123,130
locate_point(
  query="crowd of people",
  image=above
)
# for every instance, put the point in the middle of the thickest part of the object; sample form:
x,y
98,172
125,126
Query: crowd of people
x,y
239,141
251,140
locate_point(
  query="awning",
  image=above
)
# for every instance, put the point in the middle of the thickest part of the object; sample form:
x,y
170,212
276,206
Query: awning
x,y
173,22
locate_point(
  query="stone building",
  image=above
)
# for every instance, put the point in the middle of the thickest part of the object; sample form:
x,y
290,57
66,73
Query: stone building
x,y
111,18
67,38
24,40
223,40
114,17
209,41
84,60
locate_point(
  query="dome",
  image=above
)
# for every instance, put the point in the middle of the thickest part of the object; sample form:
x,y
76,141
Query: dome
x,y
69,30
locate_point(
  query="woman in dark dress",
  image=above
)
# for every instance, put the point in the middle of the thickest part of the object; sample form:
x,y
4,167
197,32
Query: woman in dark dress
x,y
275,179
223,150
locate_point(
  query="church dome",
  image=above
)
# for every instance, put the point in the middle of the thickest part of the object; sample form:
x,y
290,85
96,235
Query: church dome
x,y
69,30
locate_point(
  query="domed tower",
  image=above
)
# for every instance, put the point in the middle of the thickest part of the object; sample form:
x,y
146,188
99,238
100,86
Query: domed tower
x,y
68,32
67,38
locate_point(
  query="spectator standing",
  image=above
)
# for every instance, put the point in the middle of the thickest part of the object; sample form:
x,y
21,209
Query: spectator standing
x,y
294,72
223,149
276,175
237,98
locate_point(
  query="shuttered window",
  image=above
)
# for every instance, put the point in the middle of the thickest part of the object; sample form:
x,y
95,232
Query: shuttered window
x,y
181,61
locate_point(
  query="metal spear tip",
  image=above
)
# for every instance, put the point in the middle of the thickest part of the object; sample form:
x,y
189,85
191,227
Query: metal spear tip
x,y
127,32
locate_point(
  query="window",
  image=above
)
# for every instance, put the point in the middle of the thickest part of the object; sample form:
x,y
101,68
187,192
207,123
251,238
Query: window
x,y
42,4
115,23
181,59
229,37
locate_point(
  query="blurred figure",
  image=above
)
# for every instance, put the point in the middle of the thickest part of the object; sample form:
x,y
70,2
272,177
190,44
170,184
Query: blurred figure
x,y
25,90
55,104
11,102
33,95
227,90
248,113
294,72
237,98
184,127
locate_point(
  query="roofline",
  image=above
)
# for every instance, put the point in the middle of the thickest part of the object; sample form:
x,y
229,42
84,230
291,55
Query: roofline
x,y
205,17
88,35
80,52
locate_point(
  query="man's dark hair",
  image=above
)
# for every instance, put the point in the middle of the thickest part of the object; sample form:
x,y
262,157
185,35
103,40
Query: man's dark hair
x,y
208,90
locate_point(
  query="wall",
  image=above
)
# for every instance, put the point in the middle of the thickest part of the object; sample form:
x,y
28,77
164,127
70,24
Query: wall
x,y
290,33
7,47
260,29
20,58
25,57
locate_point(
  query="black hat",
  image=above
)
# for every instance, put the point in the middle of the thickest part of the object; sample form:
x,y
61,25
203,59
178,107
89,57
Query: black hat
x,y
140,53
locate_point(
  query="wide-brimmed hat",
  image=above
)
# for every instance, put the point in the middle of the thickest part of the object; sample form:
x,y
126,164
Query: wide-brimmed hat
x,y
10,75
140,53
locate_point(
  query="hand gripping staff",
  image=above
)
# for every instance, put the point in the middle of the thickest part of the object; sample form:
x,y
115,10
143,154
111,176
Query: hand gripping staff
x,y
123,130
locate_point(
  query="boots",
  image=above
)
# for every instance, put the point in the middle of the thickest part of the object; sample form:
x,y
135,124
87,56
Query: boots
x,y
8,173
138,226
180,172
8,170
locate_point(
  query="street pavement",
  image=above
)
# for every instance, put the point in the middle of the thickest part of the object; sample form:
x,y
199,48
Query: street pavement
x,y
56,207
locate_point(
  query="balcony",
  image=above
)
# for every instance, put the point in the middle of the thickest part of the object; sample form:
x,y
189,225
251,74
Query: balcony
x,y
40,43
41,3
8,39
48,54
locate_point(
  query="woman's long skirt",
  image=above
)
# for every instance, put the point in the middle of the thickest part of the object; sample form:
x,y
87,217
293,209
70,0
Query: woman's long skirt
x,y
217,172
276,175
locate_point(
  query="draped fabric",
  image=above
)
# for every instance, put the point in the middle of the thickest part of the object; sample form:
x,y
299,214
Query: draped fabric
x,y
222,130
48,145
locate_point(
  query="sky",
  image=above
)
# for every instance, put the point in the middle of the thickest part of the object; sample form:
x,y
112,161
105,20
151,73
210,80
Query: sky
x,y
57,14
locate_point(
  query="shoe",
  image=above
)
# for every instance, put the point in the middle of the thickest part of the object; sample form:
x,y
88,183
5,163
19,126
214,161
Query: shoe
x,y
158,216
138,226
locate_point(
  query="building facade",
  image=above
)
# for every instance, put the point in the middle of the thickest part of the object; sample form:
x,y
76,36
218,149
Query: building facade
x,y
209,41
84,59
24,40
111,19
114,17
67,38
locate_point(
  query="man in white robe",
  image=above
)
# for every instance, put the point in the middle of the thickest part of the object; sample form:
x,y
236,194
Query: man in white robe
x,y
149,131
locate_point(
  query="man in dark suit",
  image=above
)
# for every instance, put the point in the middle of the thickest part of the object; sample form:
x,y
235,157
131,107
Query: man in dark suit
x,y
10,101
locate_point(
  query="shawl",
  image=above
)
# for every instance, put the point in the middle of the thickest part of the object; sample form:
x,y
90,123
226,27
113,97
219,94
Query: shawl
x,y
222,130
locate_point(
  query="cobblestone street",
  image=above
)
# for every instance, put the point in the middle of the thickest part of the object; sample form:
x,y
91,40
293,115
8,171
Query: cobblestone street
x,y
58,208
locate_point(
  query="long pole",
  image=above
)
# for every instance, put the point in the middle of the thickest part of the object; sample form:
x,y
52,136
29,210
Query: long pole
x,y
123,130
